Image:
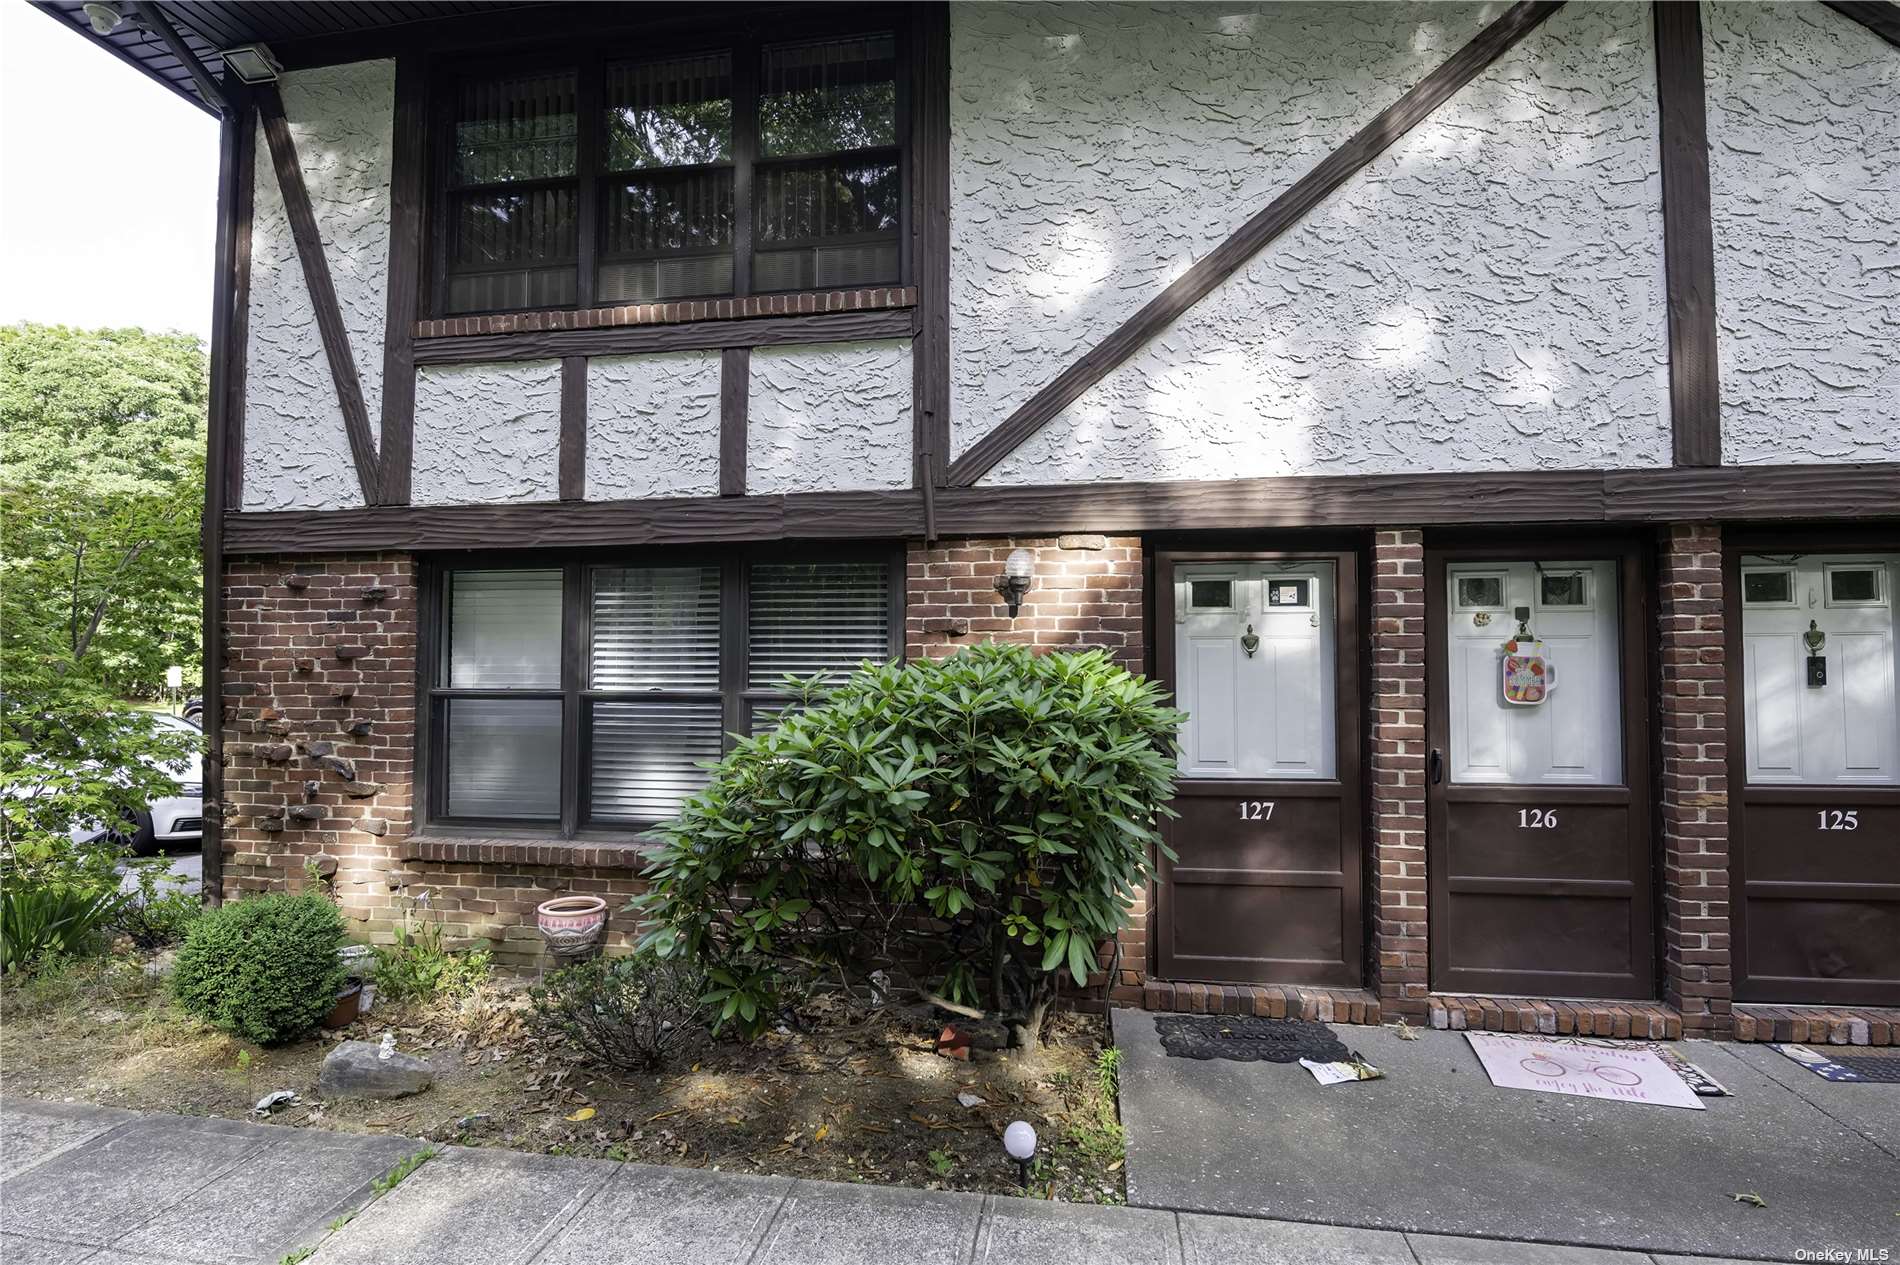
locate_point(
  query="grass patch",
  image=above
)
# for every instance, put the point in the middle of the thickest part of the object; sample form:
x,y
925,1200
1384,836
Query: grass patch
x,y
395,1176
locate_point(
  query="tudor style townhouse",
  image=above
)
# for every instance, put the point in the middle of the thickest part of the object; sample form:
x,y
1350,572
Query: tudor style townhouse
x,y
1482,416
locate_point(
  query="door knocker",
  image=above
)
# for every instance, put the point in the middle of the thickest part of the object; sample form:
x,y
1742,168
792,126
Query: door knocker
x,y
1250,641
1816,641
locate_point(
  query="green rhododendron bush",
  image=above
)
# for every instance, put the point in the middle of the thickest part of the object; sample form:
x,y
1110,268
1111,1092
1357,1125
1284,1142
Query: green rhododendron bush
x,y
974,826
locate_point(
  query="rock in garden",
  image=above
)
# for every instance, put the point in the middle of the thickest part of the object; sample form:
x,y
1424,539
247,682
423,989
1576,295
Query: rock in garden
x,y
358,1069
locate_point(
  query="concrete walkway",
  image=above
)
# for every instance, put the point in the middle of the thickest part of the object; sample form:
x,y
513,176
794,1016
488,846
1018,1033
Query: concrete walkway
x,y
1435,1147
112,1187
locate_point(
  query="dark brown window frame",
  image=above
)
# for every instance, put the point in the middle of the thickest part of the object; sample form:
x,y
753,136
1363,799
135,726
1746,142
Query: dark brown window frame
x,y
744,37
738,699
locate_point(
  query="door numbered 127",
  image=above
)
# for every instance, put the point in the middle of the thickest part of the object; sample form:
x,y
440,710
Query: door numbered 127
x,y
1256,810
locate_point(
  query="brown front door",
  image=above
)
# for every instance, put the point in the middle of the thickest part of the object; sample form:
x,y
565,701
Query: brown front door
x,y
1814,750
1537,781
1262,651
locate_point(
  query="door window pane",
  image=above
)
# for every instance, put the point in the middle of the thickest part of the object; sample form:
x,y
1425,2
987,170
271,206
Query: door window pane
x,y
504,630
656,628
1282,591
1563,589
1480,592
1211,595
646,756
808,617
1853,586
504,758
1768,588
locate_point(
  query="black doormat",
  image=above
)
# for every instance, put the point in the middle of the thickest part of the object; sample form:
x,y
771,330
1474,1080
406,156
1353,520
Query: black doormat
x,y
1883,1068
1248,1040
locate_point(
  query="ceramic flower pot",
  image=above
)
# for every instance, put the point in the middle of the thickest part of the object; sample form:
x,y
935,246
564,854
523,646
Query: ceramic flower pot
x,y
572,926
349,1004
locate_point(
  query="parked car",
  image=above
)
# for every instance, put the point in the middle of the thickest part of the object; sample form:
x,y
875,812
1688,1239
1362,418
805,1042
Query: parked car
x,y
194,711
174,818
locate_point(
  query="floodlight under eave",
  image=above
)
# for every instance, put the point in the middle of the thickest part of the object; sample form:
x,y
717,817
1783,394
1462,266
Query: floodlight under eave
x,y
103,18
253,63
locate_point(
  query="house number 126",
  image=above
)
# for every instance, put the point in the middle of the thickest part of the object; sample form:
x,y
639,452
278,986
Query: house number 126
x,y
1536,819
1256,810
1839,819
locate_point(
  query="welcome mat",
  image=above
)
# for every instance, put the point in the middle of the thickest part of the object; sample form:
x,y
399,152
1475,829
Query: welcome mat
x,y
1878,1069
1243,1039
1558,1066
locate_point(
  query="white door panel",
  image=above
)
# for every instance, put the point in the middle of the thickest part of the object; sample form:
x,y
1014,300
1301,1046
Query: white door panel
x,y
1267,715
1575,737
1846,731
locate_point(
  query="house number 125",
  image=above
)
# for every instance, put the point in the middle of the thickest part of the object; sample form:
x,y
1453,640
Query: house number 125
x,y
1839,819
1536,819
1256,810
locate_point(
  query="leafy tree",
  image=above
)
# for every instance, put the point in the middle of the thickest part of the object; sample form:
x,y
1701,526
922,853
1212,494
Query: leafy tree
x,y
102,453
101,435
974,825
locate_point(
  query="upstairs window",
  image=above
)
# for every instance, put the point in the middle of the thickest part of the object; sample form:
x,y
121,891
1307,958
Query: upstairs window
x,y
761,167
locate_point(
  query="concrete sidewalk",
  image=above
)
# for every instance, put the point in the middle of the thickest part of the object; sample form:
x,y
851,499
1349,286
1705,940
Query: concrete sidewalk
x,y
1435,1147
115,1188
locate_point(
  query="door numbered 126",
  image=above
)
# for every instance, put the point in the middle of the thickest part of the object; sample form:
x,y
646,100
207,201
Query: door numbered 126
x,y
1536,819
1256,810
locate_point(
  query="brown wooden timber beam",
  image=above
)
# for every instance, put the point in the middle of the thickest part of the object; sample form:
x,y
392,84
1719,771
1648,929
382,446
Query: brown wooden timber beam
x,y
930,241
735,396
1695,395
1879,16
210,89
573,468
407,159
1734,493
1250,238
236,346
631,340
316,275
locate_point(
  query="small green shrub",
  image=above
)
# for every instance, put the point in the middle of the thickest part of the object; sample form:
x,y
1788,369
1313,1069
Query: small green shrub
x,y
46,921
417,966
154,919
624,1013
264,969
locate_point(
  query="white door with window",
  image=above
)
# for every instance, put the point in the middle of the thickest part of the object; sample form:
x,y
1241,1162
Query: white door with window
x,y
1575,735
1818,661
1254,651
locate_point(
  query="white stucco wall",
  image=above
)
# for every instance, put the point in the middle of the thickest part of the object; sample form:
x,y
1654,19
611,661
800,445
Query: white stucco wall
x,y
1487,293
1804,177
296,453
830,417
653,426
487,432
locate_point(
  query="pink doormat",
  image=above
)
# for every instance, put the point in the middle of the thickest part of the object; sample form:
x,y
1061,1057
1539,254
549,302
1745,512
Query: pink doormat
x,y
1558,1066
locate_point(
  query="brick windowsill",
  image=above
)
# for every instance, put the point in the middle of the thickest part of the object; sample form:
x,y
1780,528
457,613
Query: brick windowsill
x,y
591,854
753,306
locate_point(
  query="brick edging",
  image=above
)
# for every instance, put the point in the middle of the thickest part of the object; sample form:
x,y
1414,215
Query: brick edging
x,y
1265,1001
457,850
751,306
1640,1020
1818,1025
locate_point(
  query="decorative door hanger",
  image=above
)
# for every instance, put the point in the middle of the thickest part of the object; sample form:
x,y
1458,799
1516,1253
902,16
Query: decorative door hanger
x,y
1528,673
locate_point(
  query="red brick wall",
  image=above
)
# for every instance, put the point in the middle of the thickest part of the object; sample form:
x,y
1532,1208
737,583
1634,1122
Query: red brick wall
x,y
1397,908
294,687
1087,591
1693,734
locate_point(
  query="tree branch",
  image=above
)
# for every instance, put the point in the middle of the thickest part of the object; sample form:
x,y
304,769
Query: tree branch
x,y
99,609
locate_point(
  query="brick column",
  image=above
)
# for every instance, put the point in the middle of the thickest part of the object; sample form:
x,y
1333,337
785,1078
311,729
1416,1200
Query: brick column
x,y
1398,908
1693,731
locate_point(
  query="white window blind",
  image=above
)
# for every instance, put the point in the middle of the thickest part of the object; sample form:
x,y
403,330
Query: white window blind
x,y
505,630
646,756
504,758
656,628
808,617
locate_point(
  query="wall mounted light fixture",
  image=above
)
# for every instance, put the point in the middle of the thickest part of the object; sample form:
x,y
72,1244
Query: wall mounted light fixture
x,y
103,18
253,63
1014,582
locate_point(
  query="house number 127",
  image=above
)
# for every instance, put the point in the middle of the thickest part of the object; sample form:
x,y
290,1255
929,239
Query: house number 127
x,y
1256,810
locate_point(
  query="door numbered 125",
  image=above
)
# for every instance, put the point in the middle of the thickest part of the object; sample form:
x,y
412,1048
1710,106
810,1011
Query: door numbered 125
x,y
1838,818
1256,810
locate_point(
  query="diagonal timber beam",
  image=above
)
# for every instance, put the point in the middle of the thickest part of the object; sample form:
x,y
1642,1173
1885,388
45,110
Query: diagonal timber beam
x,y
316,275
1882,17
1250,238
208,88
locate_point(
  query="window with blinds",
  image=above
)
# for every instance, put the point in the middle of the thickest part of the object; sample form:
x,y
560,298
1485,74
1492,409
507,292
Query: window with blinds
x,y
606,722
766,165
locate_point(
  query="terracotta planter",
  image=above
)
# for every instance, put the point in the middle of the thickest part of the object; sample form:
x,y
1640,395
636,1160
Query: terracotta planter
x,y
572,926
349,1004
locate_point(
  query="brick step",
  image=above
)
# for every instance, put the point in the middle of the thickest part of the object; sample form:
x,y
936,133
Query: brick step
x,y
1818,1025
1267,1001
1641,1020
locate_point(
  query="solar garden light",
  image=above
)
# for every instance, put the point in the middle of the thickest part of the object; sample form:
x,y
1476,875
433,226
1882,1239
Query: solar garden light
x,y
1020,1141
1014,582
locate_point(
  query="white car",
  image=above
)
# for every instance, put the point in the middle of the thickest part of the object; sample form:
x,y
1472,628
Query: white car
x,y
175,818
